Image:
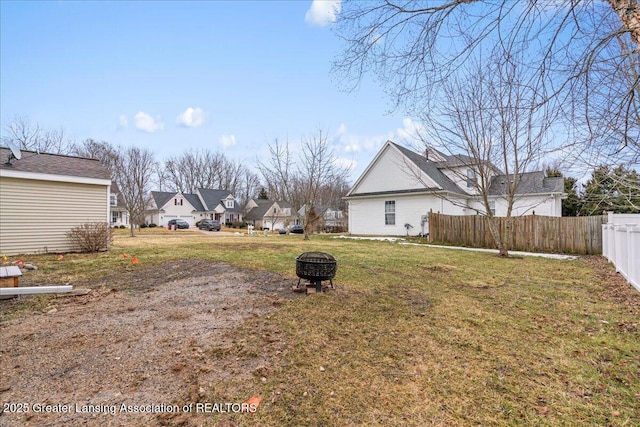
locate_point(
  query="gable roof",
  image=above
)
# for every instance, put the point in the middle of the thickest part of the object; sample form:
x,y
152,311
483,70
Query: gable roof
x,y
263,207
161,198
529,183
212,198
431,168
434,161
195,201
259,211
54,164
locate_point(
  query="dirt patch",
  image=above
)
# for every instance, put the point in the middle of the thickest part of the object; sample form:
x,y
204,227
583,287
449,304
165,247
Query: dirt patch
x,y
148,339
617,289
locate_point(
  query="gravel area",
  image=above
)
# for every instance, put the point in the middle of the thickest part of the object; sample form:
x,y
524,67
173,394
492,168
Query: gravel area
x,y
135,350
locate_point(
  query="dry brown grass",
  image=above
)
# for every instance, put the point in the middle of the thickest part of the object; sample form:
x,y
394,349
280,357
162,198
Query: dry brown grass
x,y
417,336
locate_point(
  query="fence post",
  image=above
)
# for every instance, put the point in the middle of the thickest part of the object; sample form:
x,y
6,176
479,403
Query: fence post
x,y
608,248
630,253
634,253
620,260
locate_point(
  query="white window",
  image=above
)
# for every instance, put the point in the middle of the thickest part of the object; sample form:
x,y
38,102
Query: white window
x,y
492,207
229,204
472,180
390,212
113,199
114,217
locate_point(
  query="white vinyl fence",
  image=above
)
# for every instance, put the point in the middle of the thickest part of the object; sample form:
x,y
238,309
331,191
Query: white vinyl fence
x,y
621,245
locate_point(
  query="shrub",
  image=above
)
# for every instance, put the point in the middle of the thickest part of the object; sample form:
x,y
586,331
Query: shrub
x,y
143,225
228,224
122,227
90,236
152,225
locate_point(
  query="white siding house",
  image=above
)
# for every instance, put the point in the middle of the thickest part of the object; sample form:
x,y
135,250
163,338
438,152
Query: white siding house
x,y
43,196
192,207
400,187
269,214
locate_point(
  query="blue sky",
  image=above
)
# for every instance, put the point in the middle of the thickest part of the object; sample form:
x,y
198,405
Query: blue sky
x,y
228,76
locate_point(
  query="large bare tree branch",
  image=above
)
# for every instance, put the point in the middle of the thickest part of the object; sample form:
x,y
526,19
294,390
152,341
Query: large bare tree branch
x,y
581,55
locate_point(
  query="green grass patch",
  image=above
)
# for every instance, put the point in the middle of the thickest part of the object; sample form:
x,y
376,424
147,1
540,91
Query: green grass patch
x,y
413,335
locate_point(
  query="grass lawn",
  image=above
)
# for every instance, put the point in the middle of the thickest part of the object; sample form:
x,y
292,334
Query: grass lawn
x,y
416,336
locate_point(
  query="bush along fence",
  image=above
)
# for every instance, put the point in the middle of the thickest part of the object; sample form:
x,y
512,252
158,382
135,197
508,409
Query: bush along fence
x,y
621,245
531,233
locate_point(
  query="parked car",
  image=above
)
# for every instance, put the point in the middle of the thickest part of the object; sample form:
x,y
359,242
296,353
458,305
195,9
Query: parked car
x,y
210,224
179,223
296,229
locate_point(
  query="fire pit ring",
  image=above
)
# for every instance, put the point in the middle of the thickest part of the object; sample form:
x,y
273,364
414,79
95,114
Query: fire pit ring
x,y
316,267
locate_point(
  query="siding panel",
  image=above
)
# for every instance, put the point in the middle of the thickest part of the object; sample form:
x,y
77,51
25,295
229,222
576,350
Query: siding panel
x,y
36,215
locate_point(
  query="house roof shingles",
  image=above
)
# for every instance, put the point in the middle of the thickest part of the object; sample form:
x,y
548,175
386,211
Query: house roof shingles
x,y
213,198
529,183
264,205
54,164
161,197
259,211
195,201
431,169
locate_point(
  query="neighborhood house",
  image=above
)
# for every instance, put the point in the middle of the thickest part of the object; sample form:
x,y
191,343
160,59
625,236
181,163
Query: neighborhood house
x,y
269,214
400,187
204,204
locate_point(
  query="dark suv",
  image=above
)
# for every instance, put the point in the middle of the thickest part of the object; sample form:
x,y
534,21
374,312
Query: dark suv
x,y
296,229
179,223
209,224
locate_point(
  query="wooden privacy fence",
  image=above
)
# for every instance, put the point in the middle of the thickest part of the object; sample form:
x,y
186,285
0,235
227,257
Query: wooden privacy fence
x,y
532,233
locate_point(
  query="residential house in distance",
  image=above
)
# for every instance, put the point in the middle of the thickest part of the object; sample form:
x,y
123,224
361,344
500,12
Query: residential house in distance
x,y
118,214
269,214
43,196
334,221
399,187
205,203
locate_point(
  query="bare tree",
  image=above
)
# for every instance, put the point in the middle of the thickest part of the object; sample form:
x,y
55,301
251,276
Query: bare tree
x,y
133,171
494,124
302,180
248,187
24,134
100,150
195,169
583,54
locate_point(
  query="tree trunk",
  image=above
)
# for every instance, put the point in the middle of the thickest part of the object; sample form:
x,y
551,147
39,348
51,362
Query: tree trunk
x,y
499,238
131,226
629,13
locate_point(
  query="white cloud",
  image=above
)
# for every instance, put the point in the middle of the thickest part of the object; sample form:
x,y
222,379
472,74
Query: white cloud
x,y
192,117
124,122
227,141
352,143
146,123
410,131
343,162
323,12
